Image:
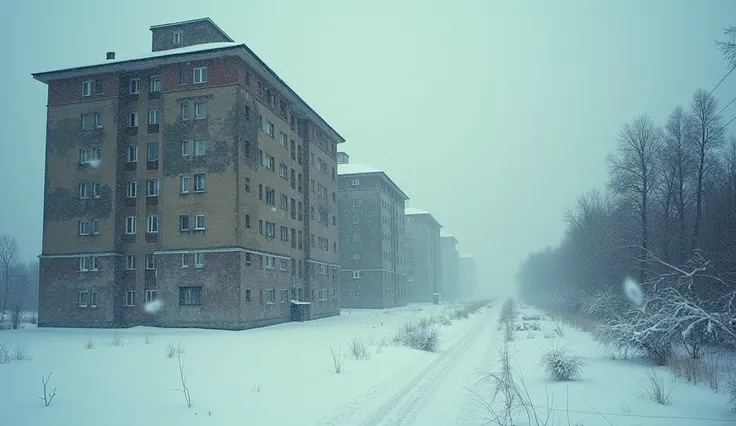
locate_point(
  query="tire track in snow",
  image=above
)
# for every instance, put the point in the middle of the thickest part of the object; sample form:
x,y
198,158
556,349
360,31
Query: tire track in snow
x,y
406,402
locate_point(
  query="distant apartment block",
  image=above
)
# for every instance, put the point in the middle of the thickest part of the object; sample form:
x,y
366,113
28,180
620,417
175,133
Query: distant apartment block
x,y
450,290
422,255
467,278
372,234
190,187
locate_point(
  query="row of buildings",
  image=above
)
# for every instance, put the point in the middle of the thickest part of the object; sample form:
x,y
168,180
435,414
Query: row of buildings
x,y
193,187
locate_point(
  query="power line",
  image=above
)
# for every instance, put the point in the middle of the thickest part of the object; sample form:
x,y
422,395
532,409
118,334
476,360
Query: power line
x,y
714,89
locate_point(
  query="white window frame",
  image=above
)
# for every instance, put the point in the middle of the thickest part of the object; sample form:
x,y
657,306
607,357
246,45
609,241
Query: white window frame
x,y
270,296
88,121
268,128
87,88
200,143
83,227
79,299
197,218
355,182
98,120
178,37
95,227
270,262
200,110
184,262
283,139
151,295
184,184
151,266
130,225
135,86
154,83
200,178
272,227
131,189
152,224
133,119
180,227
129,298
184,111
283,167
96,189
185,148
155,187
198,259
357,275
154,116
83,191
199,75
130,262
283,265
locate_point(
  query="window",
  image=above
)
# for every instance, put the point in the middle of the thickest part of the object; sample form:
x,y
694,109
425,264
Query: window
x,y
270,196
300,239
299,210
200,110
270,99
99,87
135,86
184,108
356,182
184,260
95,226
293,179
199,183
355,203
357,275
260,191
247,185
334,220
284,202
356,220
199,222
269,162
284,295
268,128
83,227
270,229
130,262
260,227
321,165
299,182
150,261
87,121
130,298
184,184
322,295
200,147
198,259
356,256
133,119
154,84
270,262
190,296
283,140
93,299
293,238
98,120
132,154
130,225
178,37
152,188
284,233
154,116
356,238
183,77
152,151
83,298
293,208
247,221
87,88
322,191
247,295
183,222
185,148
299,154
246,148
152,224
270,296
88,263
293,150
83,191
200,75
150,295
283,171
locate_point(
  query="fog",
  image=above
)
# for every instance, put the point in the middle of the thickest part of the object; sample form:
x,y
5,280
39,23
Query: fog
x,y
493,116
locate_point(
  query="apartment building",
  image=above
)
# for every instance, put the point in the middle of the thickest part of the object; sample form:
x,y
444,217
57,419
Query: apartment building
x,y
449,268
467,277
422,255
189,187
372,235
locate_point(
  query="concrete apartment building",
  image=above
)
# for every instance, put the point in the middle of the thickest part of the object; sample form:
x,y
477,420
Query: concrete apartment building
x,y
449,268
190,187
467,277
372,234
422,255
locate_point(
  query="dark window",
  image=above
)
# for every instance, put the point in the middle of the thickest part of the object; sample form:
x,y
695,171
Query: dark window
x,y
183,77
247,221
190,296
99,87
247,293
246,148
260,191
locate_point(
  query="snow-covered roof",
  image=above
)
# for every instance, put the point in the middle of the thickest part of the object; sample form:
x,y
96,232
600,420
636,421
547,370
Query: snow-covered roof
x,y
354,169
412,211
444,233
191,21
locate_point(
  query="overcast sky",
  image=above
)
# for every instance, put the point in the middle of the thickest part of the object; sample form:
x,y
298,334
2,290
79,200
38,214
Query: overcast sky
x,y
493,115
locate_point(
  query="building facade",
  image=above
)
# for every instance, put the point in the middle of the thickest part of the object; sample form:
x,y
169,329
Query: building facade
x,y
190,188
450,290
468,277
371,238
422,256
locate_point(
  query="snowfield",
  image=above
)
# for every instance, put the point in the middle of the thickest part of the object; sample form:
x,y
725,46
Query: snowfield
x,y
283,375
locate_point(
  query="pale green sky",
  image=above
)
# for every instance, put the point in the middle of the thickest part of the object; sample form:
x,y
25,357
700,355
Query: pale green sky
x,y
493,115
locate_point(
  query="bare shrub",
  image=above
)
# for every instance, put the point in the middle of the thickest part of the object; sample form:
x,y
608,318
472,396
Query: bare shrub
x,y
257,386
559,330
183,378
508,332
524,326
731,391
444,320
423,336
89,344
47,397
358,348
534,317
508,311
686,367
148,337
173,350
4,354
116,339
21,353
562,365
338,360
656,389
549,334
530,334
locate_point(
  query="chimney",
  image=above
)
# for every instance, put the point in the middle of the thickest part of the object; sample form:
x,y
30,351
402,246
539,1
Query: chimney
x,y
110,55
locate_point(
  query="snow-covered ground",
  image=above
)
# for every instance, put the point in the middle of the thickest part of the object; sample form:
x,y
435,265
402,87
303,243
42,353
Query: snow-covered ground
x,y
280,375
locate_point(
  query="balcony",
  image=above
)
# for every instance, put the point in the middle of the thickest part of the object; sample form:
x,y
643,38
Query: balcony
x,y
131,166
129,202
153,128
152,201
152,165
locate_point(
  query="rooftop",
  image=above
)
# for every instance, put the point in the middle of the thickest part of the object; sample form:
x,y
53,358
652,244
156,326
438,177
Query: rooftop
x,y
355,169
412,211
191,21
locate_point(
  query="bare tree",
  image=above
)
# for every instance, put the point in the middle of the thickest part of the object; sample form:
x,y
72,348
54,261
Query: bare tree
x,y
21,285
633,171
728,47
678,163
9,264
707,137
